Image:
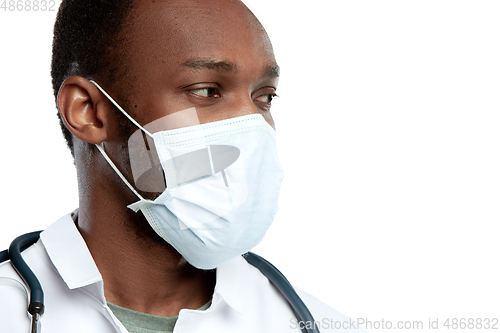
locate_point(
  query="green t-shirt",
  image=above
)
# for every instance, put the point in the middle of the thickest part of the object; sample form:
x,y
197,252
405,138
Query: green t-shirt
x,y
139,322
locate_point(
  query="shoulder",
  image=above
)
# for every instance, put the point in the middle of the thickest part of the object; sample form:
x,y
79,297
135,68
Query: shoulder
x,y
260,289
14,295
326,318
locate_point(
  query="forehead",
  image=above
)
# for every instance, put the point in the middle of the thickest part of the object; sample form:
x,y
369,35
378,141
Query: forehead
x,y
162,35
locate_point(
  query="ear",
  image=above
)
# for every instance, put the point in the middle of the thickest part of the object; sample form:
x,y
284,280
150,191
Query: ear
x,y
83,110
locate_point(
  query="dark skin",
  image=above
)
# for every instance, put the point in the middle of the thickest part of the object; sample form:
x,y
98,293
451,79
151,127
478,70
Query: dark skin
x,y
211,55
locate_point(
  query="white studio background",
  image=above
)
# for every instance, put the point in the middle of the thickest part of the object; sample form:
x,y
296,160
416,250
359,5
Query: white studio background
x,y
388,129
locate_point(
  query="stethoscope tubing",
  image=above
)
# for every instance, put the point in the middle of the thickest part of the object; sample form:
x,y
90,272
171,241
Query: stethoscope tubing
x,y
36,305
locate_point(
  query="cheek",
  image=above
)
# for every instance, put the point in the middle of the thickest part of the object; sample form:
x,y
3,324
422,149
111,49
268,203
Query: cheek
x,y
156,104
269,119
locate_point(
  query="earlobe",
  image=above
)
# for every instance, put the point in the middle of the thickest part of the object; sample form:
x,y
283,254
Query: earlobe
x,y
78,105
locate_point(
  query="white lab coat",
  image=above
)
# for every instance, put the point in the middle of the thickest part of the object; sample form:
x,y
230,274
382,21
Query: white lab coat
x,y
243,299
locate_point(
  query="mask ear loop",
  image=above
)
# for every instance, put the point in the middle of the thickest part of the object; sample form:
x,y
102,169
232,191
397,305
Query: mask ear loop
x,y
106,157
101,149
121,110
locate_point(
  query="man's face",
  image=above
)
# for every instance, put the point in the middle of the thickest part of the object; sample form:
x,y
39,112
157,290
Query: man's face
x,y
212,55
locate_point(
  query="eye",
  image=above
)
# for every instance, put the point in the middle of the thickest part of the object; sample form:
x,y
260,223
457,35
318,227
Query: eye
x,y
268,98
206,92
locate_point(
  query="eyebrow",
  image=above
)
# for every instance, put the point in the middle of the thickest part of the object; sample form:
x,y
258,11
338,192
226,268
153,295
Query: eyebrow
x,y
272,71
220,66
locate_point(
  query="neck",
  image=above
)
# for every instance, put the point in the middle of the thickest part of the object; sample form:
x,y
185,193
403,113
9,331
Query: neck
x,y
139,269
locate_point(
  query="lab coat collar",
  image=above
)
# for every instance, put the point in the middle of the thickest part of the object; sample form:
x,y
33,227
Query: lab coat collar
x,y
69,254
230,283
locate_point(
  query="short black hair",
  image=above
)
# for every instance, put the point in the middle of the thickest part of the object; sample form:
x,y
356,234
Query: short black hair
x,y
87,40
